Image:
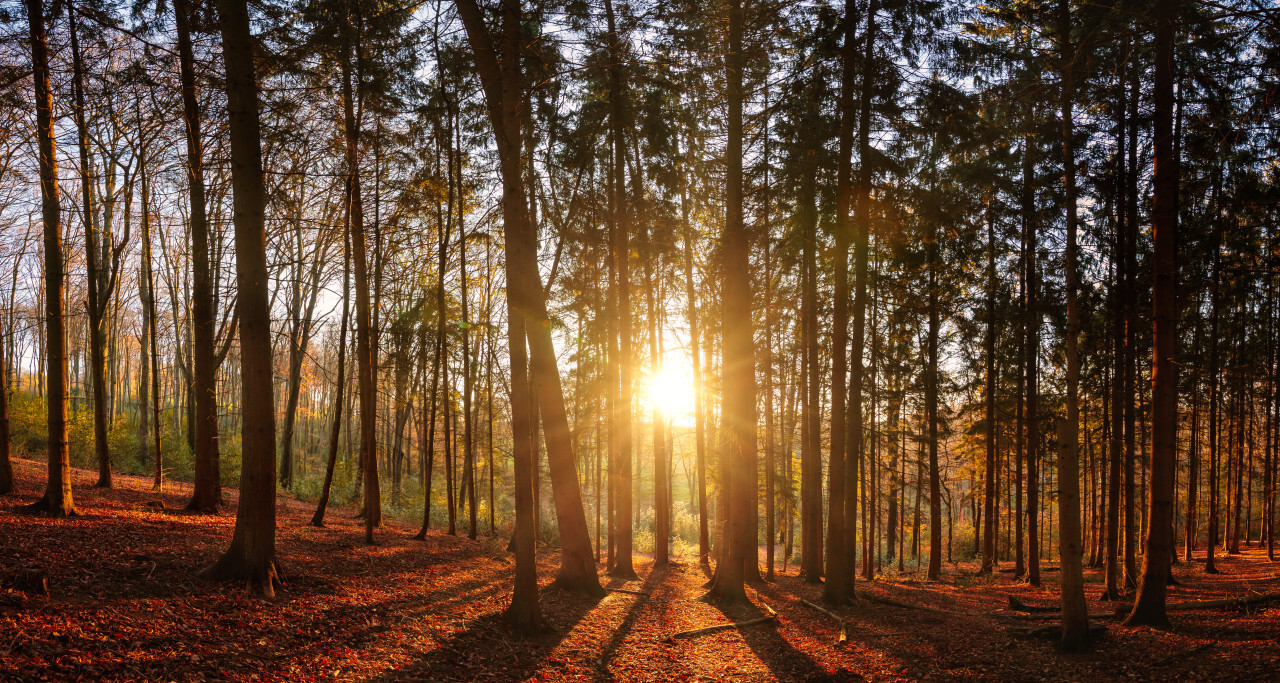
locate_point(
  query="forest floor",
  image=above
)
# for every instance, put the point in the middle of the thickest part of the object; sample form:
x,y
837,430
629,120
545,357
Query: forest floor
x,y
124,605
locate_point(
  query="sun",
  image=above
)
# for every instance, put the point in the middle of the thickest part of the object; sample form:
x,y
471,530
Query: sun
x,y
671,389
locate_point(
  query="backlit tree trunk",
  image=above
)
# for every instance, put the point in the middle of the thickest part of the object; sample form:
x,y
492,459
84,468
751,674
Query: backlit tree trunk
x,y
251,557
1149,608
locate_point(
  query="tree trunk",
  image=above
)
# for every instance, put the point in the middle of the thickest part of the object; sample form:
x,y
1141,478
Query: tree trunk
x,y
208,484
811,546
500,78
6,464
1149,608
842,488
699,417
738,366
989,512
57,500
94,303
622,566
335,429
365,366
861,190
251,556
1075,611
157,483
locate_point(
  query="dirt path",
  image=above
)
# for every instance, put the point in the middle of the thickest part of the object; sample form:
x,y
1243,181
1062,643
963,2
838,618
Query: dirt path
x,y
125,606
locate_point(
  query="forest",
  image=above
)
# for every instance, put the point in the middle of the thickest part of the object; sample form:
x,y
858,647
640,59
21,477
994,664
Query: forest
x,y
639,340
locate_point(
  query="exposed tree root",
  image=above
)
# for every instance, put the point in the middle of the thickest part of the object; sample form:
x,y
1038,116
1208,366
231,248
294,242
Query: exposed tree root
x,y
262,581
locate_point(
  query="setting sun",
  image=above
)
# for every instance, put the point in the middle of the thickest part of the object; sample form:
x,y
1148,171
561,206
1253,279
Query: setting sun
x,y
671,389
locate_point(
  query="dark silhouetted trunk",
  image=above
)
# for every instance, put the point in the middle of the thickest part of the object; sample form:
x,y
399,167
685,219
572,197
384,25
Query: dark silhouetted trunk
x,y
251,557
1149,608
208,478
1075,611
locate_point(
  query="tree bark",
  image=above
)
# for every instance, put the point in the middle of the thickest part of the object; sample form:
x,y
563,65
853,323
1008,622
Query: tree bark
x,y
1075,611
1149,608
738,367
208,479
335,429
57,500
251,556
622,566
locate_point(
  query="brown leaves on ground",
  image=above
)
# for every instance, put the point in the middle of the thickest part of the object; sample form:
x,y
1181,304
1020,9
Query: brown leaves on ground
x,y
125,605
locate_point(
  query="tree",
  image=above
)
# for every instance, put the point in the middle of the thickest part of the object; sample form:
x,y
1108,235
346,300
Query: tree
x,y
207,493
842,460
252,555
57,500
1075,612
739,399
6,463
1149,607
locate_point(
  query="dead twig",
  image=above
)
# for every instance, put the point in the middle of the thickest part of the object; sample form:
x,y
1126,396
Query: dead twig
x,y
844,630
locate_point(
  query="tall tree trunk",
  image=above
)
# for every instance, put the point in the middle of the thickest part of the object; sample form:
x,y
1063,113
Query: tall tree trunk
x,y
1215,382
738,366
1130,344
6,464
149,283
208,479
94,303
661,494
1149,608
811,546
500,78
468,446
1075,611
1031,358
365,366
842,486
251,556
699,417
989,508
861,191
57,500
933,248
622,566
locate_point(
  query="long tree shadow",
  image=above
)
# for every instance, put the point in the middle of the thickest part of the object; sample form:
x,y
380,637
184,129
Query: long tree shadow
x,y
781,657
487,649
620,634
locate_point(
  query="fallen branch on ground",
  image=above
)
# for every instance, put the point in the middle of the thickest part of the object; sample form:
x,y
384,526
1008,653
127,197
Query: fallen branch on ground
x,y
1186,653
907,605
627,590
844,630
1209,604
1053,631
1020,606
771,616
1040,616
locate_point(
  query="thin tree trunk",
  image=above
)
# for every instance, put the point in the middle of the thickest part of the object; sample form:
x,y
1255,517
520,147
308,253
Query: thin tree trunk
x,y
335,430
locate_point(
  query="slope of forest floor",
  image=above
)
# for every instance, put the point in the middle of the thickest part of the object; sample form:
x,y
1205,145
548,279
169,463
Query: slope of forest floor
x,y
124,605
